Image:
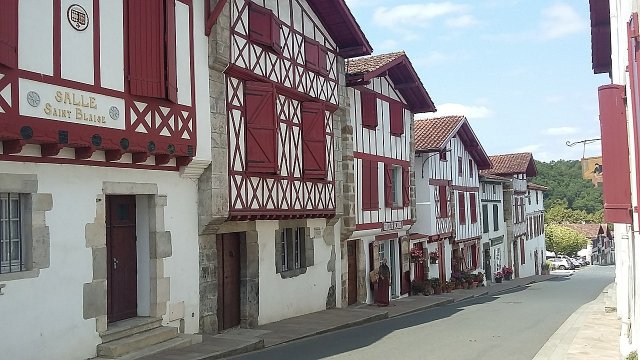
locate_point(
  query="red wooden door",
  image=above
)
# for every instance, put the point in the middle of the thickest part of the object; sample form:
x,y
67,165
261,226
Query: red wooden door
x,y
228,246
352,276
405,282
441,262
122,263
418,273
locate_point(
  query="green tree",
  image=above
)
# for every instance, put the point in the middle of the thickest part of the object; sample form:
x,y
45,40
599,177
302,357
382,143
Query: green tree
x,y
565,183
562,240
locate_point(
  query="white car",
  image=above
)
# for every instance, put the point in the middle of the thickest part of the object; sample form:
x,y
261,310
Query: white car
x,y
561,263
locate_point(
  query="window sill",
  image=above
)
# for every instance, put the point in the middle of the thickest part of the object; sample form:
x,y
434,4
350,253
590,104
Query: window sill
x,y
370,127
28,274
288,274
371,209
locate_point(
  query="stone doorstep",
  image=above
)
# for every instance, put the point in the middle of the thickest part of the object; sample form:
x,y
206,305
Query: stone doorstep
x,y
139,341
129,327
180,342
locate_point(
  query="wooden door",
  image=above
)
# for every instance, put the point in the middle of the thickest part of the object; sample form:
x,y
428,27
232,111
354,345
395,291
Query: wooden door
x,y
418,267
441,262
486,260
352,275
405,277
372,266
228,248
122,262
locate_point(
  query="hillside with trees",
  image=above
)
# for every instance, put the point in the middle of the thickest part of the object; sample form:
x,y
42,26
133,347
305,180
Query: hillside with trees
x,y
570,198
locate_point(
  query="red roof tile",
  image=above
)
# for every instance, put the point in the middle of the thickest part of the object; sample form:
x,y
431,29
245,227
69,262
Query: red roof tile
x,y
509,164
588,230
368,64
494,177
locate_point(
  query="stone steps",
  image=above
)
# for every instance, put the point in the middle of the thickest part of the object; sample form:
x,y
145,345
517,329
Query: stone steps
x,y
179,342
128,327
116,349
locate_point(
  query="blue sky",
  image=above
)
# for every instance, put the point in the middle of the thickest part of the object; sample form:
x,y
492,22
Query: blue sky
x,y
520,70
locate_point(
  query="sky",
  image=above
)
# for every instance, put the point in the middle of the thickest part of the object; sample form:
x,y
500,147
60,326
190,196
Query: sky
x,y
519,70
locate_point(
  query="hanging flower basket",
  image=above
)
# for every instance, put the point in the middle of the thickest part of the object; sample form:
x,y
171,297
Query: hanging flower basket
x,y
433,257
417,255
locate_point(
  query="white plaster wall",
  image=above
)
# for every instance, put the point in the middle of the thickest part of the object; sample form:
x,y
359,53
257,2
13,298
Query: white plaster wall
x,y
35,40
425,211
183,63
111,45
284,298
59,287
76,45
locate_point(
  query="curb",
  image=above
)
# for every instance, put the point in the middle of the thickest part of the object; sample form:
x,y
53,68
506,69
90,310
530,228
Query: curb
x,y
426,307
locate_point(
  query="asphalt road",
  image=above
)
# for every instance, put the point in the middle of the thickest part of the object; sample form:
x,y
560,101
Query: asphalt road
x,y
513,325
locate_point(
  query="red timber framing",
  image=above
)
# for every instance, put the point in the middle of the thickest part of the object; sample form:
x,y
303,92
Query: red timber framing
x,y
154,125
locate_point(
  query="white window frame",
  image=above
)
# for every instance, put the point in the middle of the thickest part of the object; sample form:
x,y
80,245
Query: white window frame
x,y
396,185
12,241
296,237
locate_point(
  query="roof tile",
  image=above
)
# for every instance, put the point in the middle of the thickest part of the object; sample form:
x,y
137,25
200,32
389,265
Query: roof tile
x,y
431,134
367,64
518,163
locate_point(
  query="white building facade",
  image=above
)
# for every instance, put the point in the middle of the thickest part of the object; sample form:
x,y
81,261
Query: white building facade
x,y
382,120
448,157
494,248
534,254
102,118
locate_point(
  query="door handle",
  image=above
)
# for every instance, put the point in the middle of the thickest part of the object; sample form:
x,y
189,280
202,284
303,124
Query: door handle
x,y
115,263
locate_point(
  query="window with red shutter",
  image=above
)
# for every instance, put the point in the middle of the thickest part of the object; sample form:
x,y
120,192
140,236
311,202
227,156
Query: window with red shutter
x,y
322,61
314,153
370,185
462,215
261,127
264,27
369,107
523,257
472,208
151,37
406,198
311,54
397,118
9,33
444,206
388,185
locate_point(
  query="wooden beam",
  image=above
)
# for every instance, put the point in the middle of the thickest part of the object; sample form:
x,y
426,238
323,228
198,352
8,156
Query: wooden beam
x,y
213,15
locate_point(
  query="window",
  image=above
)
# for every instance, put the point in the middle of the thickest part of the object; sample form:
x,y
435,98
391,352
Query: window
x,y
473,210
381,253
485,218
315,56
11,237
292,244
369,107
9,33
396,181
151,37
529,196
462,216
260,137
459,165
493,188
471,168
264,27
469,258
370,185
396,110
443,203
537,200
443,155
314,141
496,218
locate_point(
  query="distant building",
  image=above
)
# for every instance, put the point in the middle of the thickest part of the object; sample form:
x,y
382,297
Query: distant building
x,y
601,240
494,244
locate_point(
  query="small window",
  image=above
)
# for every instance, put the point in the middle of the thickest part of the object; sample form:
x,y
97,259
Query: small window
x,y
459,165
485,218
529,196
471,168
293,247
442,202
462,208
473,208
11,238
537,200
381,253
493,189
496,218
396,190
443,155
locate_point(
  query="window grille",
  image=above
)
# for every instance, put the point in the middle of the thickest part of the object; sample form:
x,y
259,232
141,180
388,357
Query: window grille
x,y
11,244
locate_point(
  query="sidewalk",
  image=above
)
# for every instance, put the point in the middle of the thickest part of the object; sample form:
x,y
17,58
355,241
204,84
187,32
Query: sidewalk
x,y
237,341
589,333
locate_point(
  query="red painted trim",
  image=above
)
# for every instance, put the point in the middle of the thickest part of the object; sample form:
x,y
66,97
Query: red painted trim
x,y
96,43
439,182
67,161
370,226
212,16
277,214
381,159
384,237
467,240
57,38
469,189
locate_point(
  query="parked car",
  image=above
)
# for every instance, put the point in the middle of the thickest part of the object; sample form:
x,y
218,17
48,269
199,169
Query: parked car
x,y
575,262
582,261
561,264
572,263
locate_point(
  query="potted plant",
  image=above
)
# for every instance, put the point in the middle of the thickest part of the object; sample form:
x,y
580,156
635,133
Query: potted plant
x,y
417,287
433,257
436,285
480,278
546,266
507,271
498,275
417,255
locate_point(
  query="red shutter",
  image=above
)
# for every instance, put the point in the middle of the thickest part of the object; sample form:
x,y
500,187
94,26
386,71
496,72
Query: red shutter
x,y
474,256
397,118
388,185
366,185
375,201
9,33
261,127
406,199
522,253
472,208
462,209
322,61
369,106
275,34
444,206
311,54
314,153
616,187
260,24
172,74
146,33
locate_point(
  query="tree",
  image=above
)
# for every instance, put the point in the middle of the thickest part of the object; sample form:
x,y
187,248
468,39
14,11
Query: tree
x,y
559,213
565,183
562,240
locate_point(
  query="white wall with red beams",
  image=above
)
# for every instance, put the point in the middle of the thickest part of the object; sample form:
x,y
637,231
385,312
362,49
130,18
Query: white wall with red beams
x,y
519,204
269,45
377,150
97,62
535,237
491,195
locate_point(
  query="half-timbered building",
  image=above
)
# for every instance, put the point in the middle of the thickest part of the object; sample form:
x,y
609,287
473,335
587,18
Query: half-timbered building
x,y
100,134
534,245
517,168
271,203
385,93
493,225
448,158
